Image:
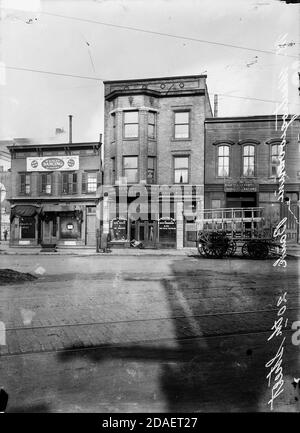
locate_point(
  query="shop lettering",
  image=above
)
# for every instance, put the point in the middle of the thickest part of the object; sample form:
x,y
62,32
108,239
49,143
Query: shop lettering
x,y
52,163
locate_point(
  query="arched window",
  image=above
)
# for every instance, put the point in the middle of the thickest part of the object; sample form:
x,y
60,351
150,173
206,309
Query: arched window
x,y
223,161
248,160
275,165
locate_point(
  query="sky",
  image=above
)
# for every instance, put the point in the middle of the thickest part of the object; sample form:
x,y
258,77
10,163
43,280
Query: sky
x,y
244,47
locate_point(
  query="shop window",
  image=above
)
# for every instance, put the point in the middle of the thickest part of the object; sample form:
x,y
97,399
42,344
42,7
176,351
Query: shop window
x,y
90,182
248,160
27,227
151,124
69,183
181,169
131,124
130,168
91,210
25,187
182,124
223,161
151,178
275,164
45,183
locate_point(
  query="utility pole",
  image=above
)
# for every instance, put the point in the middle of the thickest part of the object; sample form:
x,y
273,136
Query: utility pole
x,y
1,212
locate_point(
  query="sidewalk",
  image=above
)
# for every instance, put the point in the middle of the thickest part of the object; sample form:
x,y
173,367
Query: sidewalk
x,y
5,249
292,250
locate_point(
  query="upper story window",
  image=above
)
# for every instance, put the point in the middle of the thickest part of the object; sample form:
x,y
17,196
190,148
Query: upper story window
x,y
151,177
113,171
151,124
130,169
131,124
45,183
24,186
275,163
223,161
182,124
181,169
90,181
69,183
248,160
114,124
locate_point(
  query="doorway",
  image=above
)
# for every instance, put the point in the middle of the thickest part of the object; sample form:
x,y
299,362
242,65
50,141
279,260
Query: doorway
x,y
144,231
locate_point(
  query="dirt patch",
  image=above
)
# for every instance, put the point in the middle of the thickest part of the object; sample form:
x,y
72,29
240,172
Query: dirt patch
x,y
9,276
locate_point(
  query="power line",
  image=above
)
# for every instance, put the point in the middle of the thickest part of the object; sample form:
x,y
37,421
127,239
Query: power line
x,y
170,35
51,73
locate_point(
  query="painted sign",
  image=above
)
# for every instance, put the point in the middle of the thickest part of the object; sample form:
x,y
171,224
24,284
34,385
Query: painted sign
x,y
240,186
53,163
119,229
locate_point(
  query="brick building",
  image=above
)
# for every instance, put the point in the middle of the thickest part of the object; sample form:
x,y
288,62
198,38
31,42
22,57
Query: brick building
x,y
242,166
54,193
5,186
154,136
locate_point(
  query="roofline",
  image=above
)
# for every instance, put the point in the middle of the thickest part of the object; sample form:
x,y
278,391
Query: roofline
x,y
153,79
52,145
248,118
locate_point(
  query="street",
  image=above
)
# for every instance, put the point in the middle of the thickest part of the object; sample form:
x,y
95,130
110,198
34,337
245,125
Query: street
x,y
149,333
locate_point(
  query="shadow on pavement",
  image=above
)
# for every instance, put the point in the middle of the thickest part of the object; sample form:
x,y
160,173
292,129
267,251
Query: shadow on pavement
x,y
38,408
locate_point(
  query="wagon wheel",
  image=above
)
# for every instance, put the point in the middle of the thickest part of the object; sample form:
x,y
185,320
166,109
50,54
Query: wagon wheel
x,y
258,249
231,248
216,244
245,249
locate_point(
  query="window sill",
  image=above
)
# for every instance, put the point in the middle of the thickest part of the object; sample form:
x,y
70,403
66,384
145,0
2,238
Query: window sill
x,y
181,139
130,138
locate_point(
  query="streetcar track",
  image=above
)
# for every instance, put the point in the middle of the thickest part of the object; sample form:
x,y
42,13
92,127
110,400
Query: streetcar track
x,y
152,319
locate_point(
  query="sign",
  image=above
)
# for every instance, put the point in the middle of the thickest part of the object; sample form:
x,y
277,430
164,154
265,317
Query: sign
x,y
53,163
240,186
119,228
167,224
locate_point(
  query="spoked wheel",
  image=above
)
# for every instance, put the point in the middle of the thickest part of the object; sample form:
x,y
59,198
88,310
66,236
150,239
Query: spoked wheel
x,y
257,249
215,244
231,248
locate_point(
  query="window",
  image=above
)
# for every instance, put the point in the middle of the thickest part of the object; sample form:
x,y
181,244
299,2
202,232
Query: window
x,y
113,117
182,124
151,124
223,161
130,168
275,165
69,183
25,183
248,160
131,124
45,183
113,171
90,181
181,169
27,227
151,170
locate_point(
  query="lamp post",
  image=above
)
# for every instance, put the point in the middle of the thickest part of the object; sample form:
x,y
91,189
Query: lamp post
x,y
2,190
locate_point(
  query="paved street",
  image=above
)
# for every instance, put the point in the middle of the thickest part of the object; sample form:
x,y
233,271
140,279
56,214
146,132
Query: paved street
x,y
149,333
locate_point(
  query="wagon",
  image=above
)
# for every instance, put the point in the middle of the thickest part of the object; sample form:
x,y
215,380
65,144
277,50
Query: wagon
x,y
224,231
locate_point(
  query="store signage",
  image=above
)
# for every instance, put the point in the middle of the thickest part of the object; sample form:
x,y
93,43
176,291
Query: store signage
x,y
53,163
167,224
240,186
119,228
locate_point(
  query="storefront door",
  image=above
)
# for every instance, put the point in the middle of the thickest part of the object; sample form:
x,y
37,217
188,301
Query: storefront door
x,y
146,232
49,229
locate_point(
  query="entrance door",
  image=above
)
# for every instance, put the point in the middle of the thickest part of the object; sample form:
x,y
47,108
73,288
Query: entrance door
x,y
146,232
91,226
291,212
49,230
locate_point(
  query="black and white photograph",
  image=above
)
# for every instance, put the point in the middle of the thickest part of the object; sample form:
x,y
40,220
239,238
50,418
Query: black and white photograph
x,y
149,209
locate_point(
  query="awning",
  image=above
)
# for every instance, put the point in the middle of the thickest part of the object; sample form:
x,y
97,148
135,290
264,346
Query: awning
x,y
24,210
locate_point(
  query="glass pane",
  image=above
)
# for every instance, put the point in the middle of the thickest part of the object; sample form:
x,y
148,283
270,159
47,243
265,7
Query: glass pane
x,y
131,117
248,150
151,131
275,150
181,162
131,130
130,162
92,176
131,175
224,150
181,176
151,163
181,131
151,118
182,117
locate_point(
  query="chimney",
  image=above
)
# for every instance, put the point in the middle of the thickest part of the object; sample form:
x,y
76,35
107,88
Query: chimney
x,y
70,128
215,105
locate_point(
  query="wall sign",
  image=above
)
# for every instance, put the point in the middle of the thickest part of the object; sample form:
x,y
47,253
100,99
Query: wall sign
x,y
53,163
240,186
119,229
